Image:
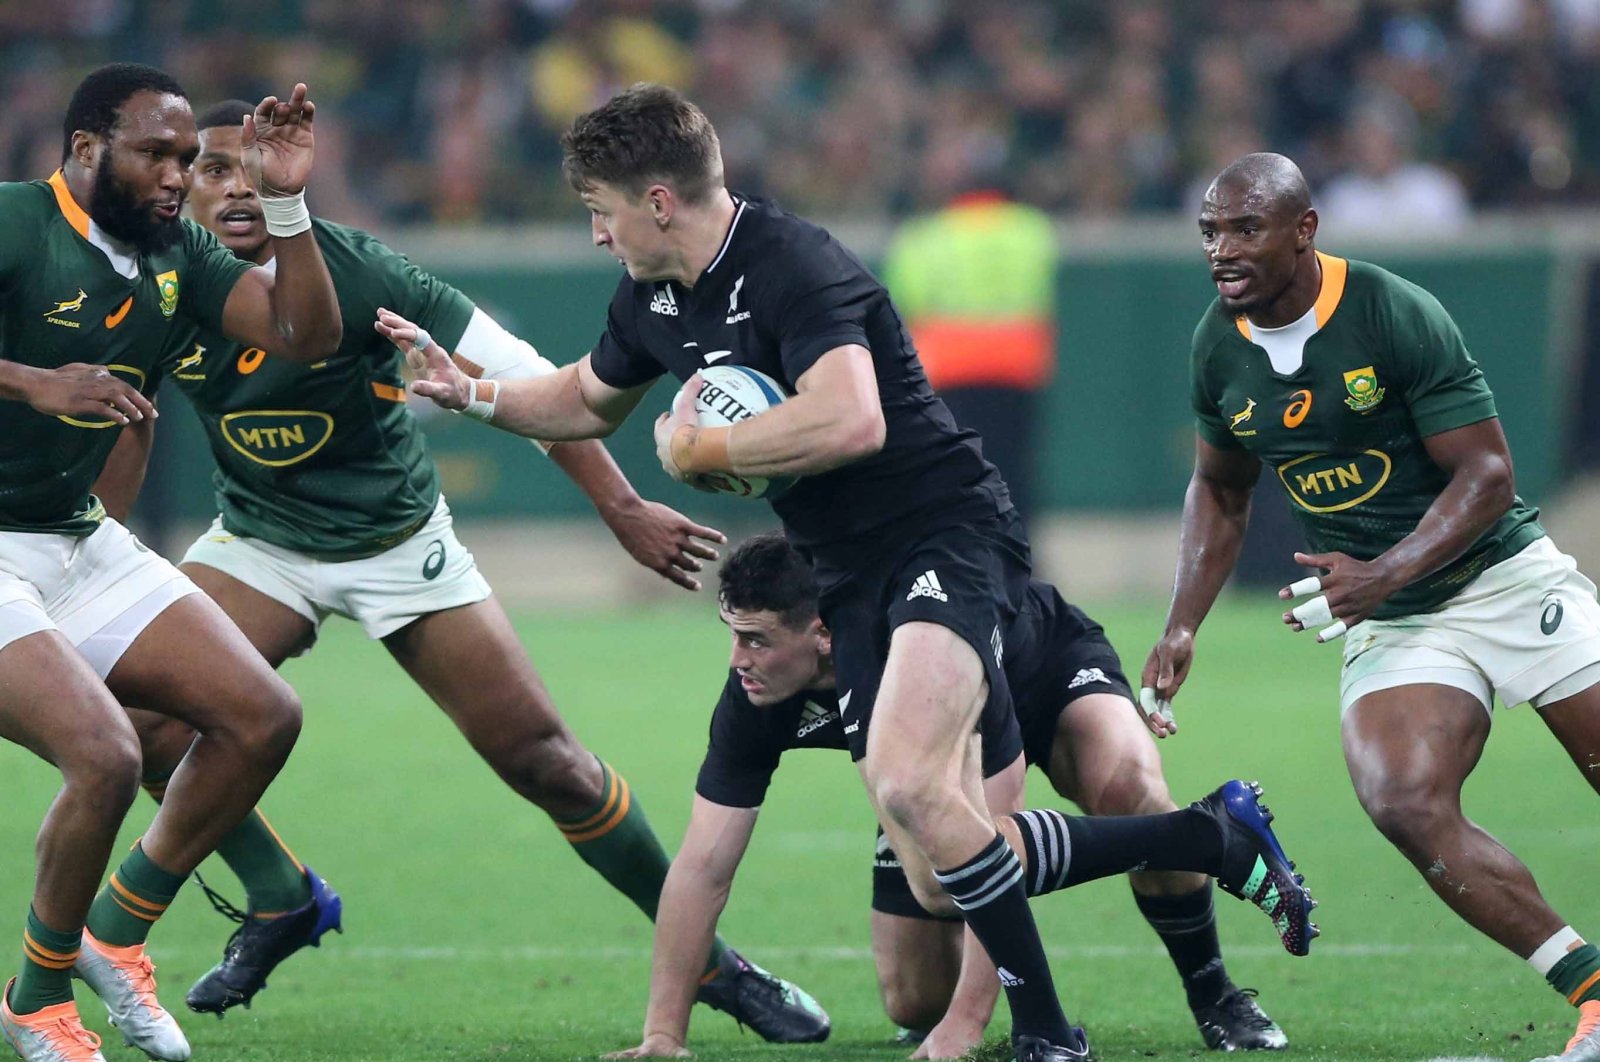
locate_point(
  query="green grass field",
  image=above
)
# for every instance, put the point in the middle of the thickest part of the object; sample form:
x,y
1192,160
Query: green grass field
x,y
474,933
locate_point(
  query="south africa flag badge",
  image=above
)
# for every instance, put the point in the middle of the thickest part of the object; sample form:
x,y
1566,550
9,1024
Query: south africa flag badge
x,y
1363,386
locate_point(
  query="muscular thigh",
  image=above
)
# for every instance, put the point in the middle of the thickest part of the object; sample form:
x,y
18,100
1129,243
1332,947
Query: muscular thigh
x,y
276,630
191,662
50,697
1420,740
1104,760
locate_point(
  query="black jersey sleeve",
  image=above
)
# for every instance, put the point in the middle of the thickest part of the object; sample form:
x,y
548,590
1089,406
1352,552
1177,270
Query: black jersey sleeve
x,y
741,755
823,297
620,359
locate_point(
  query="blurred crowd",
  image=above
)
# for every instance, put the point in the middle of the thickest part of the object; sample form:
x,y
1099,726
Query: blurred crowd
x,y
1404,113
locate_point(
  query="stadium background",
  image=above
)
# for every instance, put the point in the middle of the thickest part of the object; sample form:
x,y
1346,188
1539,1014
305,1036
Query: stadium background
x,y
437,129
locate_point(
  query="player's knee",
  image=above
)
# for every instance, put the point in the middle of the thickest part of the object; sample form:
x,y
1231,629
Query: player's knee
x,y
910,798
104,771
913,1004
1409,814
553,771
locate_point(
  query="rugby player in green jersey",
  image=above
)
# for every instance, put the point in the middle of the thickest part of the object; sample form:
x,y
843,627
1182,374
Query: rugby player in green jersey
x,y
330,503
97,274
1355,386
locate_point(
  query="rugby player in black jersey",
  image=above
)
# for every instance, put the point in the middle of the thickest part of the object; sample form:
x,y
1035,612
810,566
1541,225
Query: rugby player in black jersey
x,y
1077,724
921,560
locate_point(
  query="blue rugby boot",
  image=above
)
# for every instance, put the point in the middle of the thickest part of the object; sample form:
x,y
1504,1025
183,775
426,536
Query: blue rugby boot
x,y
260,944
1254,866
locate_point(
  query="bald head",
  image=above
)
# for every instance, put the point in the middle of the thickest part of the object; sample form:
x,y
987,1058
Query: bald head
x,y
1270,183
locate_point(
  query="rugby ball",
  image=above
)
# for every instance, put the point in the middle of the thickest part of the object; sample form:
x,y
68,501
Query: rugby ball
x,y
733,393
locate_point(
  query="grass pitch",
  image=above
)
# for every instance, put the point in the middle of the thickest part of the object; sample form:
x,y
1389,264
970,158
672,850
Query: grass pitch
x,y
474,933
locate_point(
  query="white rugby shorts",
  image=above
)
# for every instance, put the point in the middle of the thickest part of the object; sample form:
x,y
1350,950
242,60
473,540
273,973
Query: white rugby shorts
x,y
1527,630
428,572
100,591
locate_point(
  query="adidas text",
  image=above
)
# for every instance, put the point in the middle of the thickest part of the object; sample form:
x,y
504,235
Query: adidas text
x,y
927,585
664,303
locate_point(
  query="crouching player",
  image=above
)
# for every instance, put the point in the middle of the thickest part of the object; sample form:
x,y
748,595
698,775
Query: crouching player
x,y
1076,723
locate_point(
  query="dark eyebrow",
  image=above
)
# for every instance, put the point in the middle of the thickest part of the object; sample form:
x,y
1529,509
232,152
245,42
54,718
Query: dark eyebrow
x,y
216,156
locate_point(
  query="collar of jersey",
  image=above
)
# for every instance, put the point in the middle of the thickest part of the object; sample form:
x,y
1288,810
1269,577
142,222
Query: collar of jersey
x,y
123,259
727,241
1335,271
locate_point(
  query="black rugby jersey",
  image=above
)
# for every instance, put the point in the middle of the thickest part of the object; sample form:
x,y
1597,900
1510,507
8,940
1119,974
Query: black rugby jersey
x,y
781,293
747,741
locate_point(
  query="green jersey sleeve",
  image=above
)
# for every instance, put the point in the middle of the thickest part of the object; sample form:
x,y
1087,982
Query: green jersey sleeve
x,y
1209,421
420,297
1444,388
208,279
20,207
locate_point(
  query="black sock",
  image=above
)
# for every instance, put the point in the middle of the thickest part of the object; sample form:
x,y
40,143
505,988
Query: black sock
x,y
1067,850
1187,925
988,889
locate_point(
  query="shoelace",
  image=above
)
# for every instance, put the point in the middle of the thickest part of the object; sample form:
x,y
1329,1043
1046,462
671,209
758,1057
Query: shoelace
x,y
65,1035
220,903
141,974
1240,1003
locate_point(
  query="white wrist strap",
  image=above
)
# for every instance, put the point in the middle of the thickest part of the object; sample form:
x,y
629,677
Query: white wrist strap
x,y
479,408
286,215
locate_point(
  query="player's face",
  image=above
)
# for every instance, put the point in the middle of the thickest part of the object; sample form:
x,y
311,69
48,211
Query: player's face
x,y
626,226
143,172
223,198
1253,248
774,660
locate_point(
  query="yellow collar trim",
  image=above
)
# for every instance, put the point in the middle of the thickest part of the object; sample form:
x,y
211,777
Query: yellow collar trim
x,y
70,209
1335,271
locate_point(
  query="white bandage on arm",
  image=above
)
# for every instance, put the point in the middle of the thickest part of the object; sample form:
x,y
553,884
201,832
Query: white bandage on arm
x,y
501,356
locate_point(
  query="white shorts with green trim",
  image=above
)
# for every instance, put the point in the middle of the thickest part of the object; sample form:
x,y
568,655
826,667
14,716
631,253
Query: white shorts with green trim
x,y
100,591
428,572
1527,630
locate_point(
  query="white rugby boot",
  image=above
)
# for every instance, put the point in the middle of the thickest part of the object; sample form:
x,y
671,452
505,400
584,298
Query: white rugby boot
x,y
124,979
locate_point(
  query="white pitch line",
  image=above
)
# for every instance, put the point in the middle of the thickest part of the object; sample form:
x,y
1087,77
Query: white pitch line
x,y
536,953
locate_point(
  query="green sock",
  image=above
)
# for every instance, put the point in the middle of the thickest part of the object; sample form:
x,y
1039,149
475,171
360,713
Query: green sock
x,y
1577,975
615,838
273,879
46,977
137,894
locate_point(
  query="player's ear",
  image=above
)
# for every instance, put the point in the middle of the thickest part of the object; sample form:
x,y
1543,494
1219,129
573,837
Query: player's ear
x,y
1307,228
86,148
824,637
661,203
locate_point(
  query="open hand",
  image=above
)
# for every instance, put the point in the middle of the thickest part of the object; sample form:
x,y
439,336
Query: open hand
x,y
89,392
278,144
1350,592
664,540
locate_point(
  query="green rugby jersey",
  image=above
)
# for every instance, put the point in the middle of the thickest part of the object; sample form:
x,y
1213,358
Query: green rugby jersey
x,y
1385,368
325,459
62,301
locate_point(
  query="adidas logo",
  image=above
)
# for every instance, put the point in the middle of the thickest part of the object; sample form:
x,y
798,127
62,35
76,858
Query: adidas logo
x,y
1086,676
664,302
813,717
1009,979
998,644
927,585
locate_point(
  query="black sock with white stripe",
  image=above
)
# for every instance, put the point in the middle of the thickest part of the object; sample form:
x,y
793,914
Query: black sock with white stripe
x,y
988,889
1068,850
1187,925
